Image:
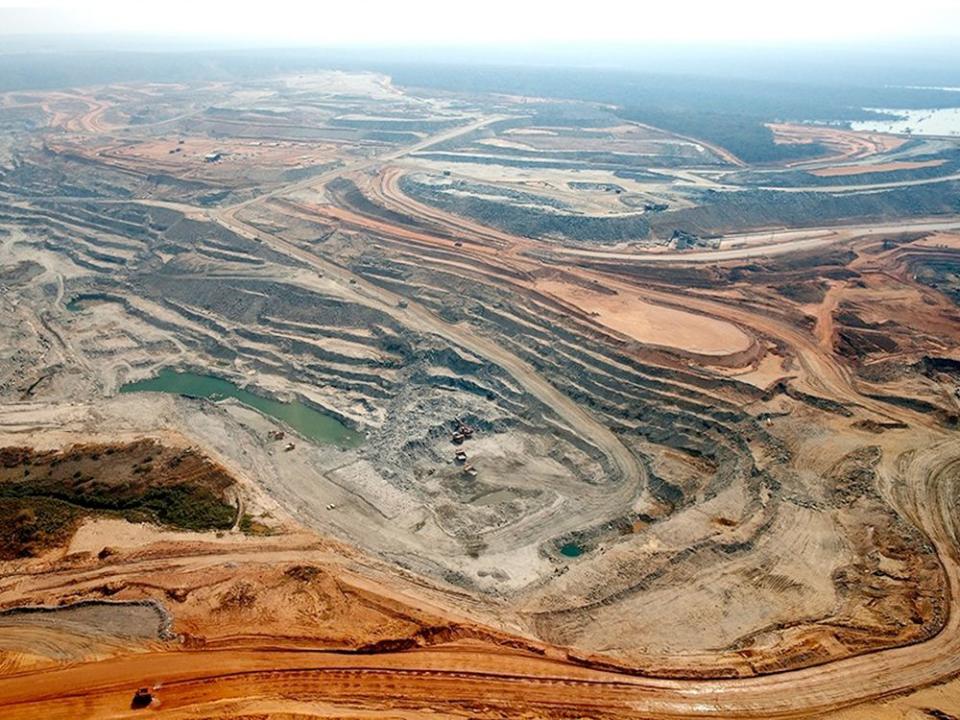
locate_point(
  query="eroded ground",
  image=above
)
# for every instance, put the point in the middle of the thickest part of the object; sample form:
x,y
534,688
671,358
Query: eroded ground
x,y
708,434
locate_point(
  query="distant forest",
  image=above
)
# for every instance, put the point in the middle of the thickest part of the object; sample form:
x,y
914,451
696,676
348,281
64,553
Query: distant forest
x,y
745,135
731,113
725,111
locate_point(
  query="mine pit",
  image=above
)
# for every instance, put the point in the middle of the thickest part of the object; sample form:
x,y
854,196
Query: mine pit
x,y
470,404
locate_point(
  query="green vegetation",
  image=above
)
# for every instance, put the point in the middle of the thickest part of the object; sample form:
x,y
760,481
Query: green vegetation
x,y
182,505
45,495
251,526
29,526
189,508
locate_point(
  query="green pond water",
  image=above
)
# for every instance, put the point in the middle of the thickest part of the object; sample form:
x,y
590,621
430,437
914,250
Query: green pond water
x,y
571,550
311,424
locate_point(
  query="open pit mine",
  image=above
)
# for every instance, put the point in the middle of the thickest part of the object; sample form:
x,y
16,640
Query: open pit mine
x,y
325,396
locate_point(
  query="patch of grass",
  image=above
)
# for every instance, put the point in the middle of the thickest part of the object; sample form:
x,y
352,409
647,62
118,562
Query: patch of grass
x,y
251,526
181,506
189,508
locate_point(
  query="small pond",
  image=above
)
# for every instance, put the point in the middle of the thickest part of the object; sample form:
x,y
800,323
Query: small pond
x,y
311,424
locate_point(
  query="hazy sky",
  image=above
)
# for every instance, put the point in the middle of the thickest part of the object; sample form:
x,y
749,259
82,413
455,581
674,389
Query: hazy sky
x,y
501,22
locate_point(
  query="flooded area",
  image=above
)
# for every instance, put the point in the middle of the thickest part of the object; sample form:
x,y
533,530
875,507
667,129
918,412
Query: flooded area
x,y
945,121
311,424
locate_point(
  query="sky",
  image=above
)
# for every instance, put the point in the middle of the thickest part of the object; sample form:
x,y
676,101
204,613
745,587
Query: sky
x,y
404,23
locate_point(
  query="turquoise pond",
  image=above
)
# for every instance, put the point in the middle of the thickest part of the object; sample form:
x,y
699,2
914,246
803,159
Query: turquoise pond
x,y
311,424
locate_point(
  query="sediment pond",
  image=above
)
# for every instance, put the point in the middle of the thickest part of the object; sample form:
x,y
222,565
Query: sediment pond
x,y
311,424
